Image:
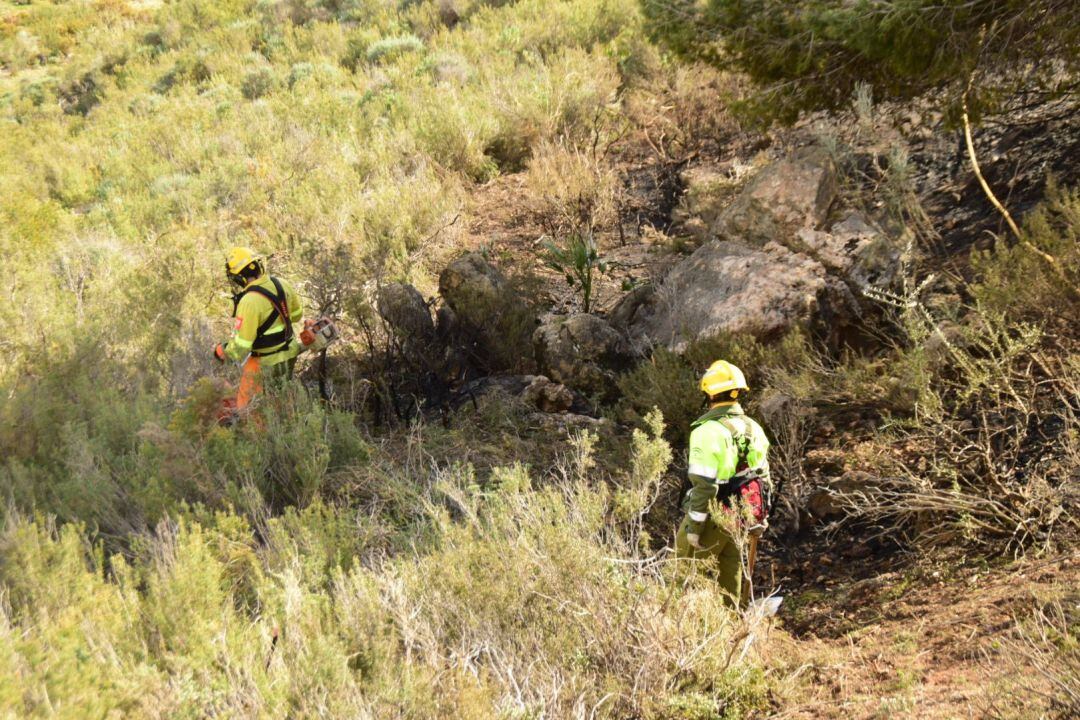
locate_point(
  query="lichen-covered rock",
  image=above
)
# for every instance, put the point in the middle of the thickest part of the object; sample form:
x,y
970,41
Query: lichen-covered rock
x,y
582,351
471,286
625,313
707,191
730,287
570,422
854,250
783,197
404,310
548,396
535,391
771,265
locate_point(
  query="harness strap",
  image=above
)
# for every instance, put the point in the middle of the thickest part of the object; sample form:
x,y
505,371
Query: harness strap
x,y
740,434
739,430
279,308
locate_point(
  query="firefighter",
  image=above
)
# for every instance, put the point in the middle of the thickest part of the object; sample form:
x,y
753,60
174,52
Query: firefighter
x,y
266,310
728,463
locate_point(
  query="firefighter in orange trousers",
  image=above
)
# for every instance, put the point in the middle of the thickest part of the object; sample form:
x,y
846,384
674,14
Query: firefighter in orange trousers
x,y
266,310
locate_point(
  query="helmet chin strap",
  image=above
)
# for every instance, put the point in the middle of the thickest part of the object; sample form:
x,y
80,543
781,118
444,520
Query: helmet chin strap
x,y
734,398
242,281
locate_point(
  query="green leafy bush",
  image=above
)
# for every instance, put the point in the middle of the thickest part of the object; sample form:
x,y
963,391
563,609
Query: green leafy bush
x,y
258,83
671,382
387,49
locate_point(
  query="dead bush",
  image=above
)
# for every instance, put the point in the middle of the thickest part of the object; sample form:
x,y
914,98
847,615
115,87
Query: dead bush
x,y
991,454
1045,642
570,192
685,112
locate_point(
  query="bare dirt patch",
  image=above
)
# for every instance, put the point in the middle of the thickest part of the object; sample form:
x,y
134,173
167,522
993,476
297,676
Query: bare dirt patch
x,y
927,642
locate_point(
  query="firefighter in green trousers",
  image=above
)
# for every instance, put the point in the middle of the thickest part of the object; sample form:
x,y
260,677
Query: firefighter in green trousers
x,y
728,463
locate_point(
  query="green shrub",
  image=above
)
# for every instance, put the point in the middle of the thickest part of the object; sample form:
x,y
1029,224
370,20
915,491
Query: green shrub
x,y
578,260
186,624
1016,278
391,48
813,54
671,382
991,417
258,83
650,460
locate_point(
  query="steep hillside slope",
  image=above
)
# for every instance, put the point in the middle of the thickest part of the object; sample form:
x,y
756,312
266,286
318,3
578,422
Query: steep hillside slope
x,y
536,224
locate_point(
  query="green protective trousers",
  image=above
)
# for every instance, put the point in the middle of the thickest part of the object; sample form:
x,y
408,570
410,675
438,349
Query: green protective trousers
x,y
721,555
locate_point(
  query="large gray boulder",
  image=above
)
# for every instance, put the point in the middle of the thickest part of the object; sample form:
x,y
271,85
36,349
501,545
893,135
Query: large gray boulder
x,y
730,287
783,197
581,351
471,286
404,310
773,262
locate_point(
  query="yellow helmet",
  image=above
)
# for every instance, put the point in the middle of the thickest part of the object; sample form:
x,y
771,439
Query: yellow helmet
x,y
242,265
722,377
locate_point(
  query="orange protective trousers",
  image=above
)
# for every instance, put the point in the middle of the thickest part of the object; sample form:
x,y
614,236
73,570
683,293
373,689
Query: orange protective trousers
x,y
250,382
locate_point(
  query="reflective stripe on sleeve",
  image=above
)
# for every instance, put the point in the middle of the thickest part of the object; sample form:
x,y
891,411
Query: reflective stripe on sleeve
x,y
698,516
703,471
241,343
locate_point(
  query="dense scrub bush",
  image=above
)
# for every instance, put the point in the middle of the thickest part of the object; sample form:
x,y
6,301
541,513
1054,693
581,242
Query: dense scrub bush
x,y
119,466
510,603
813,54
390,48
997,411
571,192
1015,278
112,224
257,83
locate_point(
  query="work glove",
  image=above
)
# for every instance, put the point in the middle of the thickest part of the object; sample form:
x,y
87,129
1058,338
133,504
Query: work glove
x,y
219,353
694,540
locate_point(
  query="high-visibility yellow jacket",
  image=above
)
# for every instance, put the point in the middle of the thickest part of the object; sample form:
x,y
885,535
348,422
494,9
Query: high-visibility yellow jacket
x,y
718,441
258,326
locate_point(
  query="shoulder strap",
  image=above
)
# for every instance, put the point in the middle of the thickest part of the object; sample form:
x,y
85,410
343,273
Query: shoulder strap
x,y
279,307
740,432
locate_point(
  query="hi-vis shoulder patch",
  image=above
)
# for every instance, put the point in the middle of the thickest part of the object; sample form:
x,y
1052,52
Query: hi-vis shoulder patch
x,y
239,323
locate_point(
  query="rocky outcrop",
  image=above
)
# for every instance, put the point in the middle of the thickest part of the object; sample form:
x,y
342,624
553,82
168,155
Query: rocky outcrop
x,y
727,286
471,286
708,190
632,308
853,250
535,391
404,310
782,198
773,262
582,351
548,396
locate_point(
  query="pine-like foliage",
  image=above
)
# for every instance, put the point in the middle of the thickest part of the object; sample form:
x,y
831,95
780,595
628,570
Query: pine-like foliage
x,y
812,54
